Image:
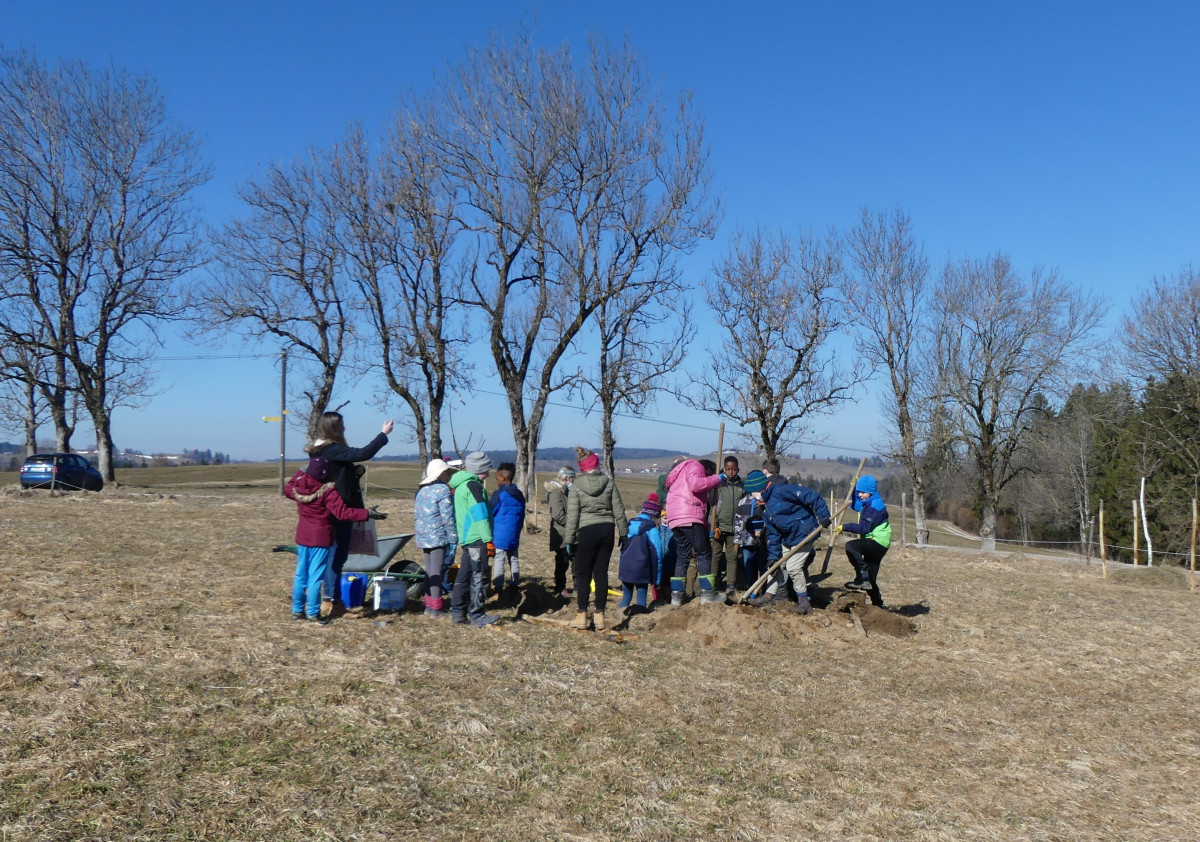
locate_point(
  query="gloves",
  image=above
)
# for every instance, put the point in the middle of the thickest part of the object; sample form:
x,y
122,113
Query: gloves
x,y
491,549
375,514
569,549
837,530
825,523
622,542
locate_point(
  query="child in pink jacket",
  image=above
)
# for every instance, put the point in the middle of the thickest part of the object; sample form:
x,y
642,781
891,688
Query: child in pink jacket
x,y
687,486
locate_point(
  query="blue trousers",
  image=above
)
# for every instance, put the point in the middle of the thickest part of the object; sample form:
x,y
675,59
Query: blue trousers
x,y
312,564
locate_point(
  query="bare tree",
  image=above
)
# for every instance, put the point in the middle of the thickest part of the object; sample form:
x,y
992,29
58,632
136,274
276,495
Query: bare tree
x,y
641,343
1163,352
780,303
892,272
401,236
570,180
1004,343
95,217
280,274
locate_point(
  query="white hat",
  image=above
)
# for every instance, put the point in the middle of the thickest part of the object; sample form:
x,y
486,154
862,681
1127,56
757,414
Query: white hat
x,y
433,470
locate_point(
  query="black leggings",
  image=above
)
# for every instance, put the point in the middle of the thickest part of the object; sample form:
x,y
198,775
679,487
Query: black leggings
x,y
593,551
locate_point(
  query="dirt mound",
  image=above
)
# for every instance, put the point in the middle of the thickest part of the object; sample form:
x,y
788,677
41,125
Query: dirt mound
x,y
736,626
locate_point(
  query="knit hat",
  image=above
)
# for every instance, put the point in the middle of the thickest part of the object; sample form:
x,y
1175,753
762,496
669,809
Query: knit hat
x,y
652,507
867,484
755,481
318,469
478,463
590,462
566,472
433,470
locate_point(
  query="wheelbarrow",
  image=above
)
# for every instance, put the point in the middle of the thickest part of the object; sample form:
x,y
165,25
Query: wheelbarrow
x,y
382,564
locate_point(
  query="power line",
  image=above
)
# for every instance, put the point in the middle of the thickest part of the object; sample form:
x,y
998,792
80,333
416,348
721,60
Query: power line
x,y
678,423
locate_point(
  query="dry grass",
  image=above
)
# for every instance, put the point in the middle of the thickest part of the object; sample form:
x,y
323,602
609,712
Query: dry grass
x,y
153,686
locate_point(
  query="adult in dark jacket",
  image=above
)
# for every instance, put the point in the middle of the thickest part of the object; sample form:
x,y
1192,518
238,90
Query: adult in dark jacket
x,y
319,507
330,444
792,513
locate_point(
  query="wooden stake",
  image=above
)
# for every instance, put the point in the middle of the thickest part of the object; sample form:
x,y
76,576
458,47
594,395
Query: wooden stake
x,y
904,519
1135,534
1195,518
849,501
1103,544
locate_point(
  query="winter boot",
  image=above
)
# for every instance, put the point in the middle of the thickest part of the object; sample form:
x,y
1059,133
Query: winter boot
x,y
862,578
580,621
766,600
435,606
598,621
484,620
802,606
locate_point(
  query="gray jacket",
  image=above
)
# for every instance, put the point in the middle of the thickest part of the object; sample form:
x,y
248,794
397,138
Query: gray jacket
x,y
594,498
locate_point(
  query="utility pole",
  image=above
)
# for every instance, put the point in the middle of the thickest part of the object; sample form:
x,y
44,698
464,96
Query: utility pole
x,y
282,418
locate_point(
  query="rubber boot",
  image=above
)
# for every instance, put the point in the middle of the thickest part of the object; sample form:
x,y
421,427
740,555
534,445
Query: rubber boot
x,y
598,620
580,621
678,583
873,590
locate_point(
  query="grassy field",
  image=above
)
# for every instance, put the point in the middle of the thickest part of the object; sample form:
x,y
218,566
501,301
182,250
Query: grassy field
x,y
153,686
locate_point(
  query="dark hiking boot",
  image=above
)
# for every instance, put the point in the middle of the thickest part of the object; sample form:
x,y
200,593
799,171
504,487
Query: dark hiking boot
x,y
802,606
859,584
766,600
319,620
484,620
297,615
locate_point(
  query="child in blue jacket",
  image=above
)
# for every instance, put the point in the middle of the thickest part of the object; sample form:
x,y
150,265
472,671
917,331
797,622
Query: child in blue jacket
x,y
508,519
642,556
866,552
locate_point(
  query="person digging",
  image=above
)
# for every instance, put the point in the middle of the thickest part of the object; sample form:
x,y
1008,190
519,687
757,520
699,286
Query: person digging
x,y
794,515
875,536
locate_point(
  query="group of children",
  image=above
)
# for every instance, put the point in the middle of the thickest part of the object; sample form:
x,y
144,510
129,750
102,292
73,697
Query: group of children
x,y
752,525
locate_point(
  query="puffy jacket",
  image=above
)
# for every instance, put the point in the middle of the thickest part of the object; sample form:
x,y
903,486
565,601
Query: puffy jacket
x,y
687,493
724,500
873,519
341,461
508,517
433,516
641,560
319,506
792,513
472,518
594,498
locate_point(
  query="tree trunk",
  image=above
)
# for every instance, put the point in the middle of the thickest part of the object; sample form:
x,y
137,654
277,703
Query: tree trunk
x,y
987,528
608,441
31,425
104,447
919,515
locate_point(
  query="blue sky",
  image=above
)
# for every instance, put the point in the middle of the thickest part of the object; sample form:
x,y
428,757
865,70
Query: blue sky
x,y
1063,133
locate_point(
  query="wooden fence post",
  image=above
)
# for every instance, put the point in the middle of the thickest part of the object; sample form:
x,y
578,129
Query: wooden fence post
x,y
1135,533
1103,544
1193,553
904,519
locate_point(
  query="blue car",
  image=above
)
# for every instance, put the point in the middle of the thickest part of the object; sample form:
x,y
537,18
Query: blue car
x,y
60,470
